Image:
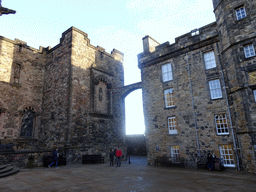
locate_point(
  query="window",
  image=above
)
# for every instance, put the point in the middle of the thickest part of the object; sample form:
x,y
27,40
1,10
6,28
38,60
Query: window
x,y
195,32
215,89
226,154
221,124
167,72
249,51
240,13
175,153
17,74
209,60
172,125
254,93
169,101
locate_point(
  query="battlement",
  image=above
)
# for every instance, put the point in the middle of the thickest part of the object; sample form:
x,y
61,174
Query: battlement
x,y
23,44
71,33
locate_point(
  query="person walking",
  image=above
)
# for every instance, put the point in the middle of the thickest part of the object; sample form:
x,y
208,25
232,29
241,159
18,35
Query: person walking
x,y
55,159
118,156
111,157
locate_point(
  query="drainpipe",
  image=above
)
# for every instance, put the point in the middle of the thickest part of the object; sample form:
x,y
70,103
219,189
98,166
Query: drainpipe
x,y
191,90
231,125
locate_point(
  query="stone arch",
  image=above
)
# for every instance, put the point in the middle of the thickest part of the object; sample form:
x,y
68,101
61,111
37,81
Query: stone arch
x,y
126,90
24,106
102,99
28,123
103,79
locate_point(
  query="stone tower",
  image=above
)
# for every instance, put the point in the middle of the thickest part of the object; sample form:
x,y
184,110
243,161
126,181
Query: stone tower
x,y
236,28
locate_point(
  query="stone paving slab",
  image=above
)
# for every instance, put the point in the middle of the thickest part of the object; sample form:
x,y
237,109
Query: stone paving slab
x,y
129,177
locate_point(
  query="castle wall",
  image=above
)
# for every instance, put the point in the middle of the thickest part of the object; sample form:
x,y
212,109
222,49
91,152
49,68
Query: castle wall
x,y
234,35
21,89
56,97
191,140
94,110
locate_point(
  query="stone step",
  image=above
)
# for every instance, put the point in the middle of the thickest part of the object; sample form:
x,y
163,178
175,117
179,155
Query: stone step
x,y
13,171
7,169
3,166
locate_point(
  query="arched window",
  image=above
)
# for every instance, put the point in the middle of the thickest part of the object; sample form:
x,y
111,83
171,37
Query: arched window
x,y
27,123
17,73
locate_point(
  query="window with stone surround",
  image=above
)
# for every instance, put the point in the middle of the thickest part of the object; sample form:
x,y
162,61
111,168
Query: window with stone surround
x,y
172,125
16,75
209,60
168,95
226,154
240,13
215,89
221,124
175,153
167,72
249,51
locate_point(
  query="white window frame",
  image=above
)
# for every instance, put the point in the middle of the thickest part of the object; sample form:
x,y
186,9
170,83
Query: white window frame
x,y
168,97
175,153
249,51
172,125
215,89
254,93
240,13
209,60
167,72
195,32
227,156
221,123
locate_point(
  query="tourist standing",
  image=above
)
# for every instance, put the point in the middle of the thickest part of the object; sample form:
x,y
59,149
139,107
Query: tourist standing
x,y
111,157
118,156
55,159
210,162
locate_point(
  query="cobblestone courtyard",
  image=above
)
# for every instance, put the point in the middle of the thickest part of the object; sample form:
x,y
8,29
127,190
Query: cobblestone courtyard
x,y
129,177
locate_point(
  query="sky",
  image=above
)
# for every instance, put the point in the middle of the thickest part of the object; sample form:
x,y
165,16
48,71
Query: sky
x,y
119,24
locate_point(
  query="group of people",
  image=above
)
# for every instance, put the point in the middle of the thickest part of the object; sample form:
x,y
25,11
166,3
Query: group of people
x,y
115,153
211,161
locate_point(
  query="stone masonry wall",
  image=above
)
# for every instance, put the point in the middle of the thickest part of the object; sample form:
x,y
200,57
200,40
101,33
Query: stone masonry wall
x,y
234,35
186,51
95,73
20,90
55,121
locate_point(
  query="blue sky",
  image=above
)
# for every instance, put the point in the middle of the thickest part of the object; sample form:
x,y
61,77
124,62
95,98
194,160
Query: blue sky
x,y
119,24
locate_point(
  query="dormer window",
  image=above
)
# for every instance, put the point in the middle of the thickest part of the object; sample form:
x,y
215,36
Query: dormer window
x,y
195,32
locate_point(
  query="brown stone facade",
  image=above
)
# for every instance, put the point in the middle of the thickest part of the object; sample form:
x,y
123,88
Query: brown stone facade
x,y
196,122
65,96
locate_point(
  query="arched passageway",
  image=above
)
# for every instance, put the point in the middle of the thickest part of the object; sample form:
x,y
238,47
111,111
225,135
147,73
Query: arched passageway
x,y
134,118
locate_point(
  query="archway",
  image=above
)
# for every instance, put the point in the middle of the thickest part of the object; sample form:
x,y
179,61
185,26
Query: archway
x,y
134,117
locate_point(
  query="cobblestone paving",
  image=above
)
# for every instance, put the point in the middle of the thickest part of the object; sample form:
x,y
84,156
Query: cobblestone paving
x,y
133,177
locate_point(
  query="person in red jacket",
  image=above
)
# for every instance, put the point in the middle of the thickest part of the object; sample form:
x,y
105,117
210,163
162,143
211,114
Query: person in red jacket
x,y
118,156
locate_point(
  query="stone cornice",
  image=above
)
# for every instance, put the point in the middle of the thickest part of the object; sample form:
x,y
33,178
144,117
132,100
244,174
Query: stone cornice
x,y
23,44
157,57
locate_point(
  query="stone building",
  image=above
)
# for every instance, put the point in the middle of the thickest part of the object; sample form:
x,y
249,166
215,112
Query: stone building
x,y
199,93
66,96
